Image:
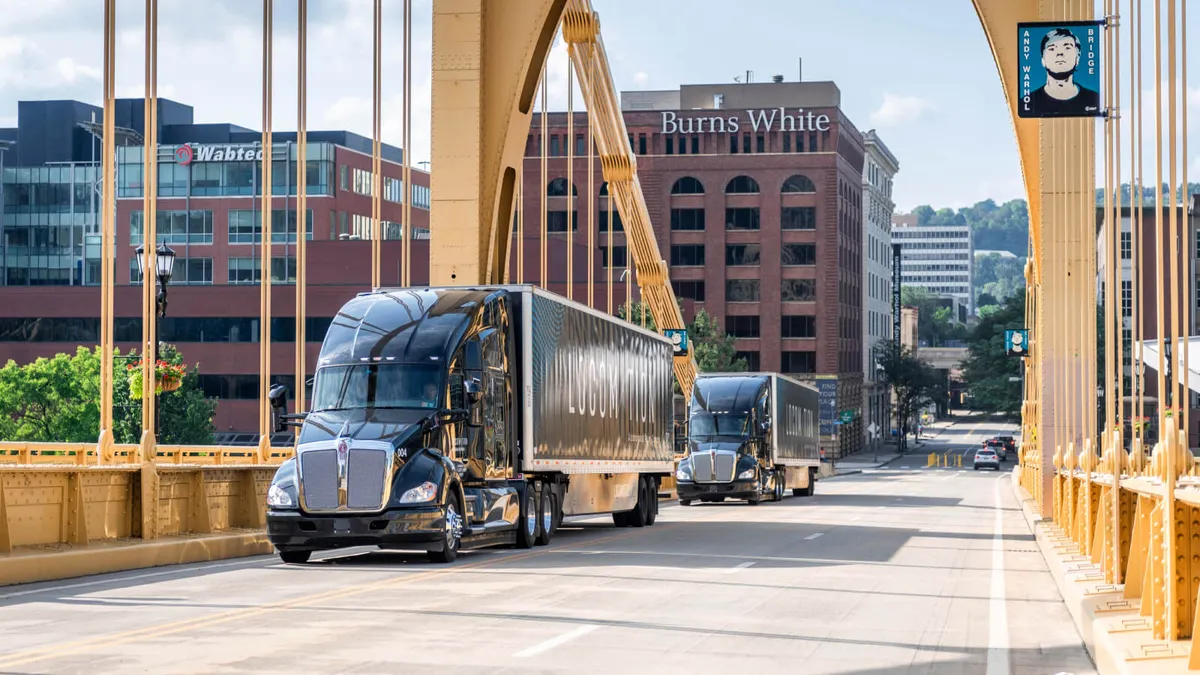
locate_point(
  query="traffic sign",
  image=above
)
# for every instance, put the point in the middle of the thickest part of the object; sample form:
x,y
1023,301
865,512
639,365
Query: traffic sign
x,y
679,340
873,430
1016,342
847,416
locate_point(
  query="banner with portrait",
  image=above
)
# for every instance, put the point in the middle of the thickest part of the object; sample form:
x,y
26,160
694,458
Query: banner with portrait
x,y
1058,73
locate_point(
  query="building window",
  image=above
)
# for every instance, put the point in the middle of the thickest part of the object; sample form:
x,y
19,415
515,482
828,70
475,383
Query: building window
x,y
558,188
741,290
742,326
799,290
741,218
187,271
555,150
742,254
420,197
362,182
798,362
620,256
393,190
1126,298
670,145
799,326
556,221
1126,245
742,185
687,186
798,218
617,225
687,219
751,358
175,227
799,183
687,255
692,290
245,226
799,254
249,270
344,177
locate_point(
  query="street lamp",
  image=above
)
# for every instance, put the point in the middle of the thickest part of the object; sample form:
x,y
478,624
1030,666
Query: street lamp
x,y
164,268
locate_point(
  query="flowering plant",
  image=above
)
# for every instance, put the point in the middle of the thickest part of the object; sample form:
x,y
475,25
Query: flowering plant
x,y
167,377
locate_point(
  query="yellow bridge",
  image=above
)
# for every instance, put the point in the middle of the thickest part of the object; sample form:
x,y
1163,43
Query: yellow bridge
x,y
1114,495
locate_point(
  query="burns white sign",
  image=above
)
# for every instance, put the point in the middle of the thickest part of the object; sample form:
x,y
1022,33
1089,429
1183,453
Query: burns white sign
x,y
776,119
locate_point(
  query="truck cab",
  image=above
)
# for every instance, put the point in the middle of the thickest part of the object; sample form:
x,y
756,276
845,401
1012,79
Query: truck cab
x,y
409,440
728,442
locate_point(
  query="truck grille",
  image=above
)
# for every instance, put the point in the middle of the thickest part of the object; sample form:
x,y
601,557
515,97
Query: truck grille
x,y
366,476
318,469
364,479
706,469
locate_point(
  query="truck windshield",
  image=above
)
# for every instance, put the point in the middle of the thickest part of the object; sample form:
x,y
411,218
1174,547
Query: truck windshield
x,y
377,385
705,426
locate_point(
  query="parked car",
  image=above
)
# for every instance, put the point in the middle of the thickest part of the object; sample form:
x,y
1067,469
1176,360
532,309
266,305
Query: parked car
x,y
985,457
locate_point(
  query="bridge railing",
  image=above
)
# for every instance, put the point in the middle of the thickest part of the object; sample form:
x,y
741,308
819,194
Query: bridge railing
x,y
1136,518
92,454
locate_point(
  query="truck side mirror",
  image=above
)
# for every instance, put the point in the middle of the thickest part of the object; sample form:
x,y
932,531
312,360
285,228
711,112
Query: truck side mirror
x,y
473,389
765,425
277,398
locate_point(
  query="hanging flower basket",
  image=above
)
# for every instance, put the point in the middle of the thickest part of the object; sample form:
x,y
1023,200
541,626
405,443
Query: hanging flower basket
x,y
167,377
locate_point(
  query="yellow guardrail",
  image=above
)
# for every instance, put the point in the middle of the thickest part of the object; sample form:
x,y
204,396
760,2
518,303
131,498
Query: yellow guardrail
x,y
87,454
1144,538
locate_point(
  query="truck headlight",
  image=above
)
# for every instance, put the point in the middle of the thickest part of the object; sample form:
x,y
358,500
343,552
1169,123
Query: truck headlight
x,y
746,475
278,497
684,472
422,493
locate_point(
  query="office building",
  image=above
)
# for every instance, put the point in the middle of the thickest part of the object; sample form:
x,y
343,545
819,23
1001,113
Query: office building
x,y
937,258
879,169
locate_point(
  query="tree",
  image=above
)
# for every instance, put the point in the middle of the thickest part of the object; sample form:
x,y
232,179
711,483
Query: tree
x,y
184,415
994,379
915,384
714,350
934,325
57,400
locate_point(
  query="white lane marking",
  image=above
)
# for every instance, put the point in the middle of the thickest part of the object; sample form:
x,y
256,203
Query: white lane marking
x,y
997,662
814,536
555,641
906,467
738,568
133,577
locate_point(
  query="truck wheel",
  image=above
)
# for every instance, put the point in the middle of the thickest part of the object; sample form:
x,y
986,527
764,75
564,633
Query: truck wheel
x,y
295,557
779,478
545,517
637,517
652,492
527,522
452,537
621,519
685,502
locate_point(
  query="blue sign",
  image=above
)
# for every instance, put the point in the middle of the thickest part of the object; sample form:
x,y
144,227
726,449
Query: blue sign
x,y
678,338
1016,342
827,405
1058,69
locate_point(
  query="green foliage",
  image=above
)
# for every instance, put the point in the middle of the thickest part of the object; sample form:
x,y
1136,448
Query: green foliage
x,y
915,384
713,349
934,326
997,278
1003,227
1148,195
988,371
58,400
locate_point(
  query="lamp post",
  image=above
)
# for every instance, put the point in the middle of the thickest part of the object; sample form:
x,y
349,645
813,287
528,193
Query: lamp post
x,y
165,267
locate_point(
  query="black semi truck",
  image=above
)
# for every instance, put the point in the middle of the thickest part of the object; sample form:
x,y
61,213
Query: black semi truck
x,y
451,418
750,435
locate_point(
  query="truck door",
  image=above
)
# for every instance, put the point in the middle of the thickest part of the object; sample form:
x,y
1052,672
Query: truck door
x,y
495,405
762,413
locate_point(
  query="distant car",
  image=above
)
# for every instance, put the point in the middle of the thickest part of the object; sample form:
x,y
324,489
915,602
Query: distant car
x,y
1010,443
986,457
996,445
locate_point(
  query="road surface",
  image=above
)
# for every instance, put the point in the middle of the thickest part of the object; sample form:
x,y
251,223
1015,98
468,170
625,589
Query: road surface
x,y
885,572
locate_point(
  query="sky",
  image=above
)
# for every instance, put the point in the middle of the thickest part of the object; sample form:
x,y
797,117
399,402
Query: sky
x,y
929,87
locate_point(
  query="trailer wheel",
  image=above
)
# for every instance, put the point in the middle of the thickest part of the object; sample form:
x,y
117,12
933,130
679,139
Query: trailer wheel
x,y
652,492
685,502
637,517
527,522
779,478
545,517
621,519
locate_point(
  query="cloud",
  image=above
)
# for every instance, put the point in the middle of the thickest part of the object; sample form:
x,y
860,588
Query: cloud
x,y
641,79
898,109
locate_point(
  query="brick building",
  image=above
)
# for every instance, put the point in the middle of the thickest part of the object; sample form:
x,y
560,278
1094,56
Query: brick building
x,y
755,195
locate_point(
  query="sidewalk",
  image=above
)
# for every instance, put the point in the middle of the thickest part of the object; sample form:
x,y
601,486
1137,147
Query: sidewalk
x,y
887,454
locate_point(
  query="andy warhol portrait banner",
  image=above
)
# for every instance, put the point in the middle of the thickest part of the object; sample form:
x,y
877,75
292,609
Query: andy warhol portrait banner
x,y
1059,69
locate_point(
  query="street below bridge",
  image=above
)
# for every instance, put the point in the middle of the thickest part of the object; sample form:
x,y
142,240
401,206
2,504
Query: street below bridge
x,y
900,569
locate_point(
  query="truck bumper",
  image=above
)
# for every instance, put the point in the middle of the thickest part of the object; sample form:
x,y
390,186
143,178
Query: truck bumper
x,y
738,489
421,528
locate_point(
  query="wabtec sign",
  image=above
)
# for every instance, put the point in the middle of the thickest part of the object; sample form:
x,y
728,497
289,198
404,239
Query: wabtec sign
x,y
188,153
776,119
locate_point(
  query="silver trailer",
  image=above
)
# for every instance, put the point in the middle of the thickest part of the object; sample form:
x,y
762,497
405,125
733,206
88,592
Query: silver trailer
x,y
750,435
462,417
